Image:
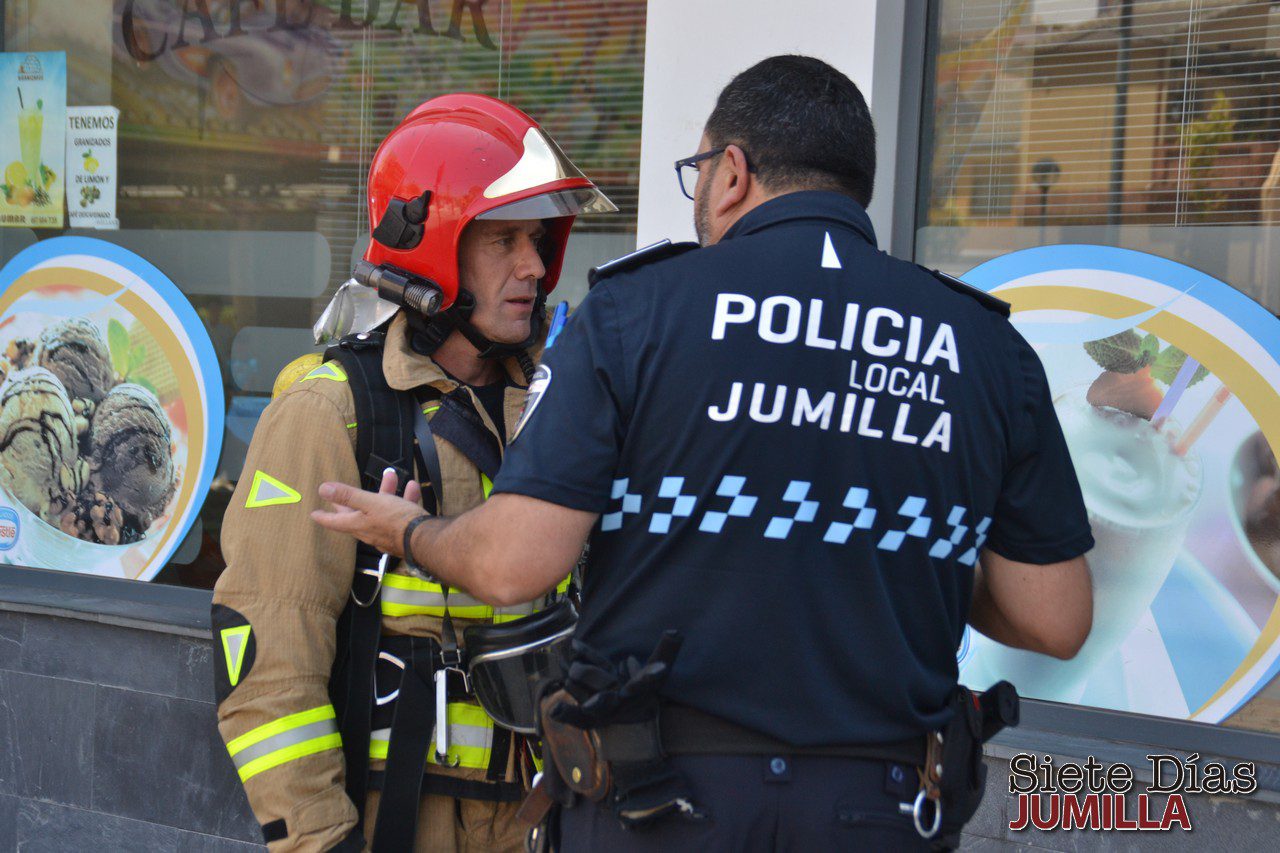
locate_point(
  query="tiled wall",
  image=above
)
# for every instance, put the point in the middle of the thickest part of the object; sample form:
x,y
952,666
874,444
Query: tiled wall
x,y
107,742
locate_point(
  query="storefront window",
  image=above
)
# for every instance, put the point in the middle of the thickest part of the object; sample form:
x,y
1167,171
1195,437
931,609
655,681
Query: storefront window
x,y
245,131
1055,121
1112,167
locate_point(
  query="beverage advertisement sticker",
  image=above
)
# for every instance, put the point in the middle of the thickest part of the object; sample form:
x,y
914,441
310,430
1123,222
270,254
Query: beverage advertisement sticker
x,y
111,410
1167,384
91,167
33,104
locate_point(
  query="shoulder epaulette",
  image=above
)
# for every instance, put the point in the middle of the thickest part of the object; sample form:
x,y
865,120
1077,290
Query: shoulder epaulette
x,y
655,252
986,300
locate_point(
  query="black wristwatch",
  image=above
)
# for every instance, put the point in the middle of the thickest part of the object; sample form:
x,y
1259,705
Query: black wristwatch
x,y
407,544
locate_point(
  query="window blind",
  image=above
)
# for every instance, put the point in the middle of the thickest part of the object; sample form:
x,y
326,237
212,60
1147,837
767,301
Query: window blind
x,y
1083,112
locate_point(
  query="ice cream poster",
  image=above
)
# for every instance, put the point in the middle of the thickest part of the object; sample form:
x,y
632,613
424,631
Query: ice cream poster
x,y
111,410
1167,384
33,121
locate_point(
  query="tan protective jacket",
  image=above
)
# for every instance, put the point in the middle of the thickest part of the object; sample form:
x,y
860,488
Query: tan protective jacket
x,y
286,583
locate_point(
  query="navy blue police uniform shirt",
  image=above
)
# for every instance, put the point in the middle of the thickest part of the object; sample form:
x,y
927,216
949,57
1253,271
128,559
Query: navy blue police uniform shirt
x,y
798,446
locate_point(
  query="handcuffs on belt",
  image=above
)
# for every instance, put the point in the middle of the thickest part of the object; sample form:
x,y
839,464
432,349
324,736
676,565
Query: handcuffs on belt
x,y
953,773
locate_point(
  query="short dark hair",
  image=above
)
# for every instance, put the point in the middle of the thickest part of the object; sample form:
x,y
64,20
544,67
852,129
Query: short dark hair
x,y
803,125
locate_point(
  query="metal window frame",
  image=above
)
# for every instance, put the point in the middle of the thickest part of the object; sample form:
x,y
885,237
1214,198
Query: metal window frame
x,y
1113,734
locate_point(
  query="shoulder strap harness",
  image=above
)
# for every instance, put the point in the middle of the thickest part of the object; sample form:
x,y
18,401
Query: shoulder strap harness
x,y
384,439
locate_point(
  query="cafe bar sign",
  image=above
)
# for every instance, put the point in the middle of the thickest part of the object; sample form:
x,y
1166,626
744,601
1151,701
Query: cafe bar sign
x,y
150,29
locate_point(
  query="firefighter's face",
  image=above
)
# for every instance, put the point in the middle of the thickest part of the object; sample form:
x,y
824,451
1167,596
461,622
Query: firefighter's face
x,y
501,266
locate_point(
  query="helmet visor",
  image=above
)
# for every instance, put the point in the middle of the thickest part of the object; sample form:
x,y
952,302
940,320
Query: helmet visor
x,y
550,205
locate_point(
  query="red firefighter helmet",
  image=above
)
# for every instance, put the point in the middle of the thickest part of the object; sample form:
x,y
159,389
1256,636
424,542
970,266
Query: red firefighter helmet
x,y
462,157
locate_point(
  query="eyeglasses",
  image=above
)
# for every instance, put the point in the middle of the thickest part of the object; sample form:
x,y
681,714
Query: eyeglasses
x,y
687,169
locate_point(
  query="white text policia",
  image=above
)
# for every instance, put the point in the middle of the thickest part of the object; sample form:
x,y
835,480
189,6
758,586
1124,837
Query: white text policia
x,y
878,333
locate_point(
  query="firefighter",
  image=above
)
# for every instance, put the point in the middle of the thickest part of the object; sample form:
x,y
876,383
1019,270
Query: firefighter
x,y
339,692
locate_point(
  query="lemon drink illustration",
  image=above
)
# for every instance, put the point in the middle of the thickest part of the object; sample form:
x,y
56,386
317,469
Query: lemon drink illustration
x,y
30,135
26,179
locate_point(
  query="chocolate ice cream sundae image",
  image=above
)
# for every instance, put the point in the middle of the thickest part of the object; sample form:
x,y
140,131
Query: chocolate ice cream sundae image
x,y
39,463
75,352
131,458
91,455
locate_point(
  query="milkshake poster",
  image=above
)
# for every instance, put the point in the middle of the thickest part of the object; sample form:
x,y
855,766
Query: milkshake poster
x,y
33,122
111,410
1167,384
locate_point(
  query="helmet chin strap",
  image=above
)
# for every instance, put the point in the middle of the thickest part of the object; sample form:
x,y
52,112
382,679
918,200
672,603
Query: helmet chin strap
x,y
429,333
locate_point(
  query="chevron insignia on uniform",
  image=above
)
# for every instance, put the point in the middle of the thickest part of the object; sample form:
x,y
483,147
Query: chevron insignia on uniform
x,y
328,370
268,491
235,641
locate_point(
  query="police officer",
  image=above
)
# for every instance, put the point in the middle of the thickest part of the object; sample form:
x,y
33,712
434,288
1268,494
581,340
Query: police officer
x,y
325,675
812,461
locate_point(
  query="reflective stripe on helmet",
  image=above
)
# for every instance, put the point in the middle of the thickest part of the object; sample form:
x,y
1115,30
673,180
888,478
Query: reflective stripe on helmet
x,y
284,740
470,738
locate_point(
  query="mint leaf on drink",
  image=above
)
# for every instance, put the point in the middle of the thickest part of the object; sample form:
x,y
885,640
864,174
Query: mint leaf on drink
x,y
1169,362
1150,348
118,345
1122,353
39,103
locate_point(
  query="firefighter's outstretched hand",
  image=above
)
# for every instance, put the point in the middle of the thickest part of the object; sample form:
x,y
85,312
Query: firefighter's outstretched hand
x,y
377,519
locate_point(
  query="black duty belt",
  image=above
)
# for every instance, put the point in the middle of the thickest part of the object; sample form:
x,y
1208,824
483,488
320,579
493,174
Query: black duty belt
x,y
688,731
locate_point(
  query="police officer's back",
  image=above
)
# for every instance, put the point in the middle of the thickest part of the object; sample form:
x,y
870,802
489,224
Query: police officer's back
x,y
798,446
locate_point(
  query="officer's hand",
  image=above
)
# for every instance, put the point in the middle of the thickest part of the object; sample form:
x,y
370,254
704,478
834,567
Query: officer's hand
x,y
377,519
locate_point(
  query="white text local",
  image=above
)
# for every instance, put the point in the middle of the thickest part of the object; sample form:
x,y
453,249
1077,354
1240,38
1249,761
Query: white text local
x,y
879,332
896,381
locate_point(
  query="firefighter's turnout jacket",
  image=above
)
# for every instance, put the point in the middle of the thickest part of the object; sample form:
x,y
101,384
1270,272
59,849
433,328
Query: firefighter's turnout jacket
x,y
277,604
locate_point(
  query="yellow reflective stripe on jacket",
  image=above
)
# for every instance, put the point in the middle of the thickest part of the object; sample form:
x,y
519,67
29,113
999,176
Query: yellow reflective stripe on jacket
x,y
284,740
470,738
403,595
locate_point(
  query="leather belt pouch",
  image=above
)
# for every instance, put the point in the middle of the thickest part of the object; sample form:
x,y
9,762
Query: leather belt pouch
x,y
575,751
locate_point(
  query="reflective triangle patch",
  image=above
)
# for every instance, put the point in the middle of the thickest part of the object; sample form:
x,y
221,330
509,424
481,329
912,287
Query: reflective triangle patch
x,y
830,260
235,641
268,491
328,370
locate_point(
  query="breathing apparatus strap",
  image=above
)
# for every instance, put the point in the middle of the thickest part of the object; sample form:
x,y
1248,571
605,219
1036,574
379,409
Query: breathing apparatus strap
x,y
411,729
427,453
384,438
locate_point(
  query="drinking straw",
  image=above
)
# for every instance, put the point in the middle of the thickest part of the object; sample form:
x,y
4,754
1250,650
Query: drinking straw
x,y
1174,394
21,105
1201,423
